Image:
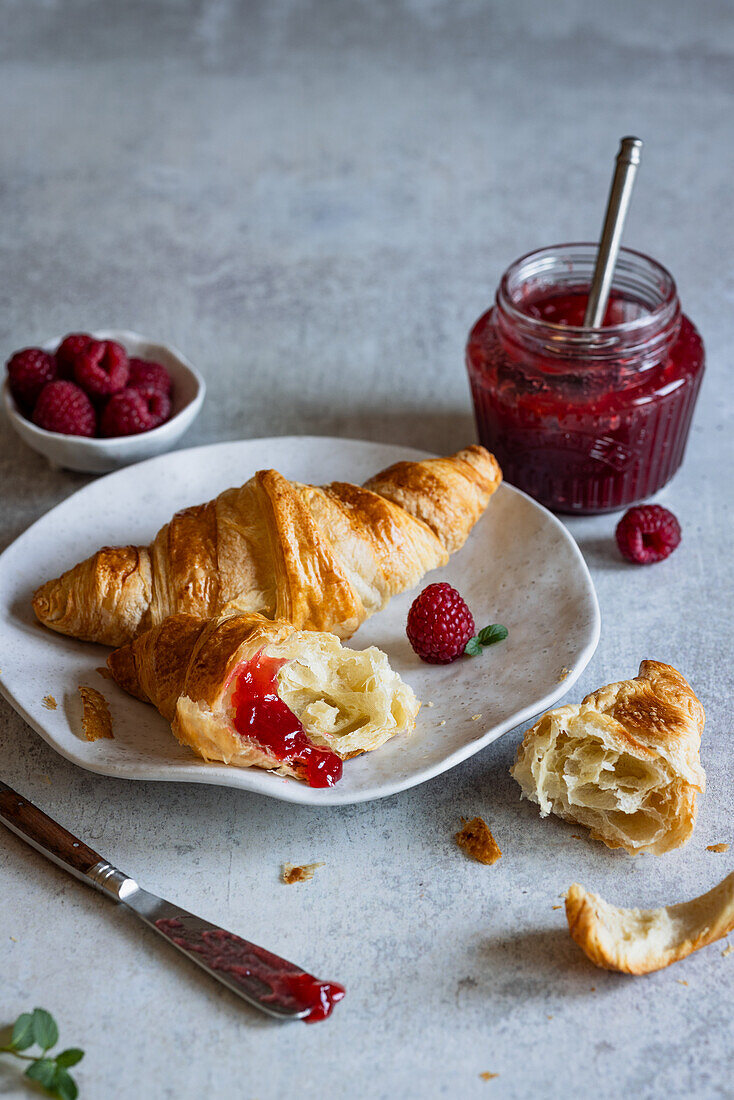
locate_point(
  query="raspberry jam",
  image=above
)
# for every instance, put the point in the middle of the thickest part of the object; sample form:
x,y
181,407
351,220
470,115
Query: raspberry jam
x,y
585,420
262,716
243,961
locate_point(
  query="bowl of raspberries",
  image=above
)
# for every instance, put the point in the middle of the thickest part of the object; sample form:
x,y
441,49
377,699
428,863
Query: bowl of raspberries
x,y
98,401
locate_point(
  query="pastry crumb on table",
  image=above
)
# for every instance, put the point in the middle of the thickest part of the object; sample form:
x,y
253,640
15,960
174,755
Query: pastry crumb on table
x,y
728,950
49,702
477,841
488,1076
295,872
96,717
717,847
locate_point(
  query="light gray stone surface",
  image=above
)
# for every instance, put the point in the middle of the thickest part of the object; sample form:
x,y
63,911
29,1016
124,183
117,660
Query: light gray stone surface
x,y
314,201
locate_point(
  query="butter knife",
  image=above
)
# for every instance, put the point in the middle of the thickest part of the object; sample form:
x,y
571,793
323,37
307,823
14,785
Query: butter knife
x,y
275,986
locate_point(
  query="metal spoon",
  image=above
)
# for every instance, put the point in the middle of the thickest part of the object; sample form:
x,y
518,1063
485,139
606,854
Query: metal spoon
x,y
628,159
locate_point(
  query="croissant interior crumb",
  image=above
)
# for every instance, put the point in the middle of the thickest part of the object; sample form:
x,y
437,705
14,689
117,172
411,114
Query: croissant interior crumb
x,y
304,872
579,777
475,838
349,701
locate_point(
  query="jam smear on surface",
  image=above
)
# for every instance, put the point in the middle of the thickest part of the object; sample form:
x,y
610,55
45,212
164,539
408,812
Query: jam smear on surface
x,y
240,960
262,716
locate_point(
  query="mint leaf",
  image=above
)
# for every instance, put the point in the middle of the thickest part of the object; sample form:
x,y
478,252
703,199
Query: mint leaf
x,y
64,1085
491,634
22,1032
45,1031
42,1070
69,1057
473,647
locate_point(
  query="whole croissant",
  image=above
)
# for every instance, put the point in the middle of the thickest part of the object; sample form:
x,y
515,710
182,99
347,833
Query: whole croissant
x,y
321,558
346,701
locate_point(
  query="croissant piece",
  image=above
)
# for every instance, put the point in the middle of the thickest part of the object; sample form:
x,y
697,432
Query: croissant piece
x,y
638,941
203,676
323,558
624,763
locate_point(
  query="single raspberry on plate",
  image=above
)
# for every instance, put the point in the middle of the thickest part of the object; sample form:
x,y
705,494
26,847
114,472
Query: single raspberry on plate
x,y
134,411
647,534
144,372
439,624
68,351
28,372
63,407
101,368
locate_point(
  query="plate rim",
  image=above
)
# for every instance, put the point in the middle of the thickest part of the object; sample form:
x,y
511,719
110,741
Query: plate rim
x,y
287,790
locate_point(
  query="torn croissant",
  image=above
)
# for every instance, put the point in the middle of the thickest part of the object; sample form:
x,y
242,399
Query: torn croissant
x,y
251,692
321,558
624,763
637,941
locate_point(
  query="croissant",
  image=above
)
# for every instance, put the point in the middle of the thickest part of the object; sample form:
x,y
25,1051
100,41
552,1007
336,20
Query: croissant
x,y
638,941
254,692
322,558
624,763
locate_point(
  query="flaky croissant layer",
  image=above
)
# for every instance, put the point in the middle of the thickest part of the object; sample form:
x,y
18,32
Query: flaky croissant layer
x,y
346,701
322,558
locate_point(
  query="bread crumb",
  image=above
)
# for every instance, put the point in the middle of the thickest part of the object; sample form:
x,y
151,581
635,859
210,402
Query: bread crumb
x,y
576,836
550,1017
556,907
728,950
681,981
13,939
475,717
96,718
429,703
442,722
477,841
717,847
104,672
294,872
488,1076
563,674
49,702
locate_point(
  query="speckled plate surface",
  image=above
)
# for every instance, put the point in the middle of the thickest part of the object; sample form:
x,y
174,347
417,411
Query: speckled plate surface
x,y
519,567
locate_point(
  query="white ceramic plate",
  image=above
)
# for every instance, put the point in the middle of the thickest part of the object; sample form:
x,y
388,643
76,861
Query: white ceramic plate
x,y
519,567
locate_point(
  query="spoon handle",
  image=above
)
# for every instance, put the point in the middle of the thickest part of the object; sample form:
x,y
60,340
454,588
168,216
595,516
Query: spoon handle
x,y
628,159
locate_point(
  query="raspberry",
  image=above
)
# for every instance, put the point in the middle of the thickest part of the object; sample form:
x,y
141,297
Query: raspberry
x,y
101,368
68,351
134,411
28,372
647,534
439,624
63,407
144,372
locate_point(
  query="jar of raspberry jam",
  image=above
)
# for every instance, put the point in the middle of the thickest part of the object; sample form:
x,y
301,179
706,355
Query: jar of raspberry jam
x,y
585,420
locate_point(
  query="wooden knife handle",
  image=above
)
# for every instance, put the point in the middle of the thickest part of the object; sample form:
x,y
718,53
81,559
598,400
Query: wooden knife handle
x,y
45,834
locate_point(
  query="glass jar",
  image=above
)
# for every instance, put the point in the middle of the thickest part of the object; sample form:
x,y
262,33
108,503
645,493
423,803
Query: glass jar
x,y
585,420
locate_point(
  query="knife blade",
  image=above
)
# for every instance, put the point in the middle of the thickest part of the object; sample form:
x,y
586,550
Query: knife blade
x,y
272,984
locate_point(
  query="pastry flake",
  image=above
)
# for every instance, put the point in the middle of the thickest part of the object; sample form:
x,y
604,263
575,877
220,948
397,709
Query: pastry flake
x,y
323,558
638,941
49,702
624,762
717,847
477,841
294,872
96,717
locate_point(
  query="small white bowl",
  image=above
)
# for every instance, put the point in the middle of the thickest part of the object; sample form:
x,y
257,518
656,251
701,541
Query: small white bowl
x,y
99,456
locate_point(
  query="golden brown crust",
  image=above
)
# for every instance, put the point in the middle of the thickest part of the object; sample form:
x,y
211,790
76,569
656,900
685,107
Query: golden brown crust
x,y
638,941
96,717
322,558
475,838
624,763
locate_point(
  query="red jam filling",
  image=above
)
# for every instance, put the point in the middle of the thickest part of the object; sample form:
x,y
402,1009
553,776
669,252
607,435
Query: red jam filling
x,y
243,961
582,436
261,716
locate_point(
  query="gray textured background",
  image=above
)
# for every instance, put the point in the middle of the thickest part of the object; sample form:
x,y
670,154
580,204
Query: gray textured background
x,y
315,201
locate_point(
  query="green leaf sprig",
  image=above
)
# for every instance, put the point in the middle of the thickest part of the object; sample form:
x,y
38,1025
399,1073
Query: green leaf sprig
x,y
488,636
38,1028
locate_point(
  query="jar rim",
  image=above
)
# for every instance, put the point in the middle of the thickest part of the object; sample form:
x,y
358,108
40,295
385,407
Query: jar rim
x,y
660,313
